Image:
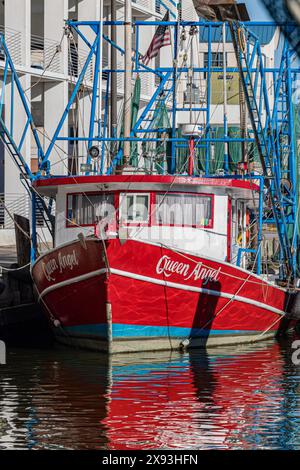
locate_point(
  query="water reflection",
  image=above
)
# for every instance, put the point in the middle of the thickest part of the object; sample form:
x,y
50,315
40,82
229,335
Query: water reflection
x,y
226,399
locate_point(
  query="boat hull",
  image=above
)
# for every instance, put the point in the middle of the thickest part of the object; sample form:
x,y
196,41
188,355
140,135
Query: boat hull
x,y
136,296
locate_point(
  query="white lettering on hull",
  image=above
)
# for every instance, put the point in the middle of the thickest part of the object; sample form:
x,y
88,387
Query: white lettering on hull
x,y
63,262
167,266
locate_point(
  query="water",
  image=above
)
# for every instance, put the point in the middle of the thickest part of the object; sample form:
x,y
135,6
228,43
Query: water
x,y
229,398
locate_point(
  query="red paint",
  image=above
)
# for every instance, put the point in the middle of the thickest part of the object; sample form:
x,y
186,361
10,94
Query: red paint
x,y
229,224
176,403
151,179
191,157
139,302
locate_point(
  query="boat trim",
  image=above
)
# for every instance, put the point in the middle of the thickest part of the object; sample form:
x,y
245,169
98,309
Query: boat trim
x,y
175,249
152,280
73,280
63,245
192,181
201,290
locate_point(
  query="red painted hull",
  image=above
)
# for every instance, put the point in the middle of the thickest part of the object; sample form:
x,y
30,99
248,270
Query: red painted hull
x,y
151,297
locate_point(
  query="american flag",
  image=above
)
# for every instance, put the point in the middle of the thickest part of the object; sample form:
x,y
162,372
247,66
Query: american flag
x,y
161,38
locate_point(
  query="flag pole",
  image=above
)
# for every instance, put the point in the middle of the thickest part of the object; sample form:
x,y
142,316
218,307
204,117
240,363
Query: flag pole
x,y
100,86
113,90
174,92
127,82
225,99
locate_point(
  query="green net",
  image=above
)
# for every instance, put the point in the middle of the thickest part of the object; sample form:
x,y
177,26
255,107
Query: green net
x,y
161,121
234,148
135,106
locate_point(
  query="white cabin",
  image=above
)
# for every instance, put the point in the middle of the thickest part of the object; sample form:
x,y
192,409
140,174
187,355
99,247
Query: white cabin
x,y
205,216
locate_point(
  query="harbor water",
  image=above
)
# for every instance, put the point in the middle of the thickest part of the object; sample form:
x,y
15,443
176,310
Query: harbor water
x,y
228,398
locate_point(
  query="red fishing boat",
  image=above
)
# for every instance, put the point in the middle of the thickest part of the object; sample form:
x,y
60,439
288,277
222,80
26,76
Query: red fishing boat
x,y
158,241
136,283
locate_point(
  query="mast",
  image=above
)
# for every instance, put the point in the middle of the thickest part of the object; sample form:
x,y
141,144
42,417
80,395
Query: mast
x,y
114,87
100,53
174,92
127,82
225,100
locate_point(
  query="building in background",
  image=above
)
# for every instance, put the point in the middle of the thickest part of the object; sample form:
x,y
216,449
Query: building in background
x,y
48,61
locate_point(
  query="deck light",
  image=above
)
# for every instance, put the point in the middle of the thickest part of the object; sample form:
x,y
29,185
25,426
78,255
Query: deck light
x,y
94,152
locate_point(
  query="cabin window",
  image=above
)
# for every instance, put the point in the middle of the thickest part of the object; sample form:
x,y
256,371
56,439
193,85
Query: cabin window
x,y
134,208
88,209
184,210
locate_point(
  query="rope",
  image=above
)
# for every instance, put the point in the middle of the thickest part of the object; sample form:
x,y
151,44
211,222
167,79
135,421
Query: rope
x,y
14,269
230,300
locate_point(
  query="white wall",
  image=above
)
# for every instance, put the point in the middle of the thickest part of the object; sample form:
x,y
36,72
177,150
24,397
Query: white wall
x,y
21,22
56,93
209,242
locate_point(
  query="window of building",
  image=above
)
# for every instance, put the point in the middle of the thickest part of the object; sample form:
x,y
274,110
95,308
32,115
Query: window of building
x,y
184,210
88,209
157,6
134,208
217,60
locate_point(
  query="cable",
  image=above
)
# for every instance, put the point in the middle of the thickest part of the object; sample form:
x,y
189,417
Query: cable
x,y
57,50
3,268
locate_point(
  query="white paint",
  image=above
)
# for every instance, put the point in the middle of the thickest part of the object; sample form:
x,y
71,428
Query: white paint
x,y
56,93
188,288
208,242
73,280
61,263
173,285
17,13
167,266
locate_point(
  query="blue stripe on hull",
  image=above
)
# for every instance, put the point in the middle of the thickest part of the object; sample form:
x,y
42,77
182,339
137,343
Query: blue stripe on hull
x,y
89,330
143,331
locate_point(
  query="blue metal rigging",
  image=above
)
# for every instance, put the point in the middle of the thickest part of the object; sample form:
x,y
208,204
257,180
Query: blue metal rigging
x,y
271,133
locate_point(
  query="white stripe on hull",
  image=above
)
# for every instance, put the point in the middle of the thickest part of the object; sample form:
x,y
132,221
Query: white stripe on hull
x,y
170,284
197,289
73,280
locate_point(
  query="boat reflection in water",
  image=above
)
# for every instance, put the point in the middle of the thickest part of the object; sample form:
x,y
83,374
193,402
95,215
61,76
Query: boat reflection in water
x,y
226,399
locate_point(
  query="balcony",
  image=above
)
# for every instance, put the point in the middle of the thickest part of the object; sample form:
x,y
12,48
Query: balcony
x,y
46,54
14,43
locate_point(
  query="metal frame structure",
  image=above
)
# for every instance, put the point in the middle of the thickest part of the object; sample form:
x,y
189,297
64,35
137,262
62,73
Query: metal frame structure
x,y
272,126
